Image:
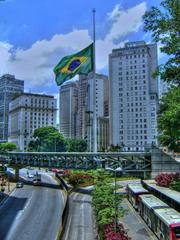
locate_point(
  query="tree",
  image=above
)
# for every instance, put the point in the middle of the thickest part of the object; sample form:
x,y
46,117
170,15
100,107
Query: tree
x,y
47,139
76,145
115,148
164,25
7,146
169,120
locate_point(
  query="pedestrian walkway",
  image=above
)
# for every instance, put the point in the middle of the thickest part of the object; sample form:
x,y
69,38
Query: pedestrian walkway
x,y
136,227
7,191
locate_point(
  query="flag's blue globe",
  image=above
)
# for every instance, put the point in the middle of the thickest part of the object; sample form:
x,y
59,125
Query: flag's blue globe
x,y
74,64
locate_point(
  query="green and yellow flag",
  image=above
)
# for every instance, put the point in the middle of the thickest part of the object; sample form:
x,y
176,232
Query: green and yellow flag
x,y
78,63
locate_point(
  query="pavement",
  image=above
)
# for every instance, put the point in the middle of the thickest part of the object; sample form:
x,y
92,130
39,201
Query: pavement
x,y
136,227
32,212
80,223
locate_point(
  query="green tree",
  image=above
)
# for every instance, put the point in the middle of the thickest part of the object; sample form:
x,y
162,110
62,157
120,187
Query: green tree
x,y
47,139
169,120
104,200
76,145
114,148
7,146
164,24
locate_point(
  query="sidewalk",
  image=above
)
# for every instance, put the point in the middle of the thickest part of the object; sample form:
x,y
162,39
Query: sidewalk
x,y
6,193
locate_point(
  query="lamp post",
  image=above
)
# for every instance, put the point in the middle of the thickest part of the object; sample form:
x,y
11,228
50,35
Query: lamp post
x,y
115,185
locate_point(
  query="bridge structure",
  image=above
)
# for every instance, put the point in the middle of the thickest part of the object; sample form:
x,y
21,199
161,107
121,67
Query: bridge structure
x,y
129,162
145,164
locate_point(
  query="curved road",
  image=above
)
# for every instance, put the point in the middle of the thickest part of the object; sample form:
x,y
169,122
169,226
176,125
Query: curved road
x,y
32,212
80,223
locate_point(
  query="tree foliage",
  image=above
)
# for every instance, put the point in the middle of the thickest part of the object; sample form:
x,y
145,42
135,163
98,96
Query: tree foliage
x,y
76,145
169,120
107,207
7,146
164,24
47,139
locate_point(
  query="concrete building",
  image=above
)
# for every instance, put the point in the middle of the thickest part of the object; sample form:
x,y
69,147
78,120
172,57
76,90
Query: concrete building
x,y
85,110
28,112
133,95
68,109
163,88
9,88
103,140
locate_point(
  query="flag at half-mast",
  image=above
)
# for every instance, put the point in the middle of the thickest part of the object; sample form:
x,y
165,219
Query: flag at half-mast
x,y
78,63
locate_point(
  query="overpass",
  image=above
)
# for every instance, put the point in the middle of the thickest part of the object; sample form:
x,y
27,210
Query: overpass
x,y
144,164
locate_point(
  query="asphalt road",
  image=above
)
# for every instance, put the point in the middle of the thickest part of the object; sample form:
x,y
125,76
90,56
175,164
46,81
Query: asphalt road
x,y
136,227
32,213
80,223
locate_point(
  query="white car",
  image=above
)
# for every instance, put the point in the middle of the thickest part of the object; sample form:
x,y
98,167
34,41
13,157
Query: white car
x,y
19,184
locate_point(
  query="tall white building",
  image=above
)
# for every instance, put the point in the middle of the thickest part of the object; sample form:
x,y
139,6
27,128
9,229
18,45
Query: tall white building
x,y
68,109
85,100
133,95
102,107
28,112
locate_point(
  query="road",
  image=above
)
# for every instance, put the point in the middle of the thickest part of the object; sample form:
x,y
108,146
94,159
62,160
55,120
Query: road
x,y
80,222
32,212
137,228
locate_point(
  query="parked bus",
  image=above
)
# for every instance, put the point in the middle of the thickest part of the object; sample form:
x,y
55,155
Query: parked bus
x,y
166,224
133,192
169,196
147,203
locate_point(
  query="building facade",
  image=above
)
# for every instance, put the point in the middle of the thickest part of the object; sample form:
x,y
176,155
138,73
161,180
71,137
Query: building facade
x,y
163,88
68,93
9,88
133,96
28,112
102,105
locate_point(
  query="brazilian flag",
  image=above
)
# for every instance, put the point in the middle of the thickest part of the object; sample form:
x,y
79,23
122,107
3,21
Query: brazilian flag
x,y
78,63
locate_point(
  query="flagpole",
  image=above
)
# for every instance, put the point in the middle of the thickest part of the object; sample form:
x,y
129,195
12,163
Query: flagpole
x,y
94,86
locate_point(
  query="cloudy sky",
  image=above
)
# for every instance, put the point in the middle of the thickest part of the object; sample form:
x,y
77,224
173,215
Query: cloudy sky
x,y
35,34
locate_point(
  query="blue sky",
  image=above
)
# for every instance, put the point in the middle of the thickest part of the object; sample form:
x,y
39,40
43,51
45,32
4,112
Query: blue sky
x,y
35,34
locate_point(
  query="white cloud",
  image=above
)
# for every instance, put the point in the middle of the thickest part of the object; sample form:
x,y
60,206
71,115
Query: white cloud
x,y
125,22
35,65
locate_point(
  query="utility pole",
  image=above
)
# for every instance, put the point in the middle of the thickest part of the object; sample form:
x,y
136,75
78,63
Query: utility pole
x,y
94,86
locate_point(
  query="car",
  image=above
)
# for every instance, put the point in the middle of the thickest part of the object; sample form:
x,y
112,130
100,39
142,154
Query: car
x,y
19,184
55,170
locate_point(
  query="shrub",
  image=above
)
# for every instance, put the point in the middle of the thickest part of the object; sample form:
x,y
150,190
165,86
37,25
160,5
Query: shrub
x,y
110,234
166,179
79,178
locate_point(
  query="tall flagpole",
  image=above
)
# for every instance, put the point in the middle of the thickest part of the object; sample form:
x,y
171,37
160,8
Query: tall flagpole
x,y
94,87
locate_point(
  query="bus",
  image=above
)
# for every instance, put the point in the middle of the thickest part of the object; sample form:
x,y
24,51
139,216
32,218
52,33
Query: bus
x,y
166,224
147,203
169,196
133,193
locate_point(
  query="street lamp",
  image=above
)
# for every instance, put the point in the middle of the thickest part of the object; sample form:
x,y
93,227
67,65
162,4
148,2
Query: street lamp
x,y
115,188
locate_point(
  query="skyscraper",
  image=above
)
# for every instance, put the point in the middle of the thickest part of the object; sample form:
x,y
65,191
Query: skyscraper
x,y
85,106
133,95
9,88
28,112
68,109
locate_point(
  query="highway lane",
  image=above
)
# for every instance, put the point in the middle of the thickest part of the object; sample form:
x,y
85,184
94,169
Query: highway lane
x,y
33,212
80,223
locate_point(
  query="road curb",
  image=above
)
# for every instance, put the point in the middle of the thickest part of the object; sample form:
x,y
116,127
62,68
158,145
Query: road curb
x,y
66,208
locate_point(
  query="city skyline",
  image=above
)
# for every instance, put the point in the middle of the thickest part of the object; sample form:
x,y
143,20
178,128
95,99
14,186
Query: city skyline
x,y
33,51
